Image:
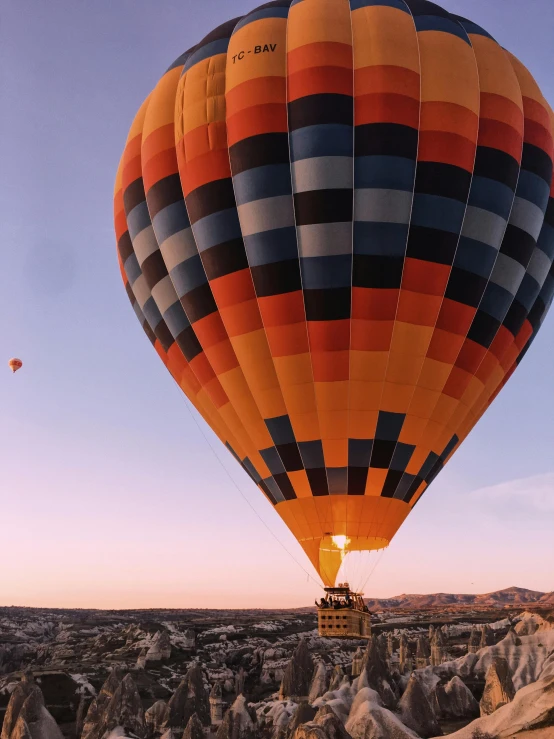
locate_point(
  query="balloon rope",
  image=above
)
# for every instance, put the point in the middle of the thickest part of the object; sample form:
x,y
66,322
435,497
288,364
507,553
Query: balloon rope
x,y
373,569
216,455
364,562
364,559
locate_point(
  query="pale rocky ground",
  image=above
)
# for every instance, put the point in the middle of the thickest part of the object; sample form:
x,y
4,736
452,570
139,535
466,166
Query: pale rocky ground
x,y
468,671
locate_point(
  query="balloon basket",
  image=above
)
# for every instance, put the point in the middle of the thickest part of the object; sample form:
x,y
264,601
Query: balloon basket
x,y
343,614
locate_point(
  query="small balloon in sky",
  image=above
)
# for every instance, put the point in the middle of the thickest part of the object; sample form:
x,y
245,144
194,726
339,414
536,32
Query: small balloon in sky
x,y
15,364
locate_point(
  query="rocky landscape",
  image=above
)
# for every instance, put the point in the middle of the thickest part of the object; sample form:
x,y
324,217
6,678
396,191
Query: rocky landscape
x,y
471,667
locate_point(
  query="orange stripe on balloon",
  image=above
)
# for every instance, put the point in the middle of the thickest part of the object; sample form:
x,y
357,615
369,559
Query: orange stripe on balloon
x,y
271,118
319,54
387,108
318,80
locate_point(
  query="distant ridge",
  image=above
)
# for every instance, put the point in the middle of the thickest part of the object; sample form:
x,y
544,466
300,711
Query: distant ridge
x,y
504,597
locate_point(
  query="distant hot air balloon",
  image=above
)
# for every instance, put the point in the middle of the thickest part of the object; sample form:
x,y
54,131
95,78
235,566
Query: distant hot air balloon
x,y
15,364
335,223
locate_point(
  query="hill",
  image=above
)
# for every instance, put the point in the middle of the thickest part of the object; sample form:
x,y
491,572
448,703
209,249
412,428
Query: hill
x,y
508,596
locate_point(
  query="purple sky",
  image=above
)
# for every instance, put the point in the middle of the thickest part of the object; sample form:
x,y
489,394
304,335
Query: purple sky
x,y
109,496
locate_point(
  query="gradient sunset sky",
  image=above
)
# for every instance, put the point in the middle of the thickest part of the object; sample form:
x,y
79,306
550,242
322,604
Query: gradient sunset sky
x,y
109,496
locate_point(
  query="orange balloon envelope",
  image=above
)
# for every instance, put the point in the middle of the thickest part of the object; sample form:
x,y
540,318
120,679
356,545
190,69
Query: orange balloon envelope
x,y
335,224
15,364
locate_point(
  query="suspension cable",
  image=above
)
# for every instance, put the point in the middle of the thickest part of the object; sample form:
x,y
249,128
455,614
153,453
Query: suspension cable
x,y
216,455
379,558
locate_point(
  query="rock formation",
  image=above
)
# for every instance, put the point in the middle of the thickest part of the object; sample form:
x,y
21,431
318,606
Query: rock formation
x,y
404,654
337,676
382,645
499,688
18,697
474,643
455,700
309,730
82,708
97,708
141,659
530,714
189,639
422,652
21,731
216,704
526,657
512,638
238,722
375,675
328,720
280,715
26,716
369,720
158,652
239,681
438,648
390,644
194,729
318,686
487,637
155,716
530,623
303,715
298,674
124,710
357,661
71,657
190,697
417,712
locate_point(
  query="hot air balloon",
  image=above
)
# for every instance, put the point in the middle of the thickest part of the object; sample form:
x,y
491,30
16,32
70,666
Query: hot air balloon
x,y
15,364
335,223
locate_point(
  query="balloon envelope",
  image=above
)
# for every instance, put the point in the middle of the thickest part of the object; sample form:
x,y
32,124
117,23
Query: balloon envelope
x,y
335,224
15,364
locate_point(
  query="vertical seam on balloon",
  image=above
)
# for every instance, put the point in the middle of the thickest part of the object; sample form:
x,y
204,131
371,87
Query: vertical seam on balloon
x,y
231,437
490,274
408,9
507,223
300,263
246,432
351,258
498,251
148,290
254,288
125,276
238,218
536,247
547,303
254,284
152,226
239,365
457,244
190,393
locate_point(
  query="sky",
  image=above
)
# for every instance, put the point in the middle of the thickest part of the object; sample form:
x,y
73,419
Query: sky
x,y
110,497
